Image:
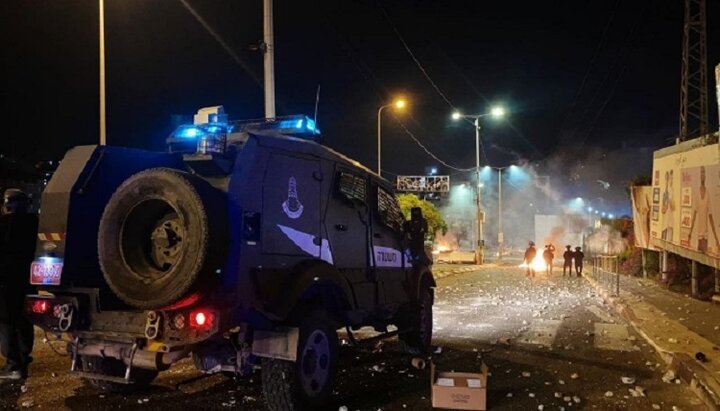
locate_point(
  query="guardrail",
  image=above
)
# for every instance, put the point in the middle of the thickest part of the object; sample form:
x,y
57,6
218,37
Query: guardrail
x,y
605,273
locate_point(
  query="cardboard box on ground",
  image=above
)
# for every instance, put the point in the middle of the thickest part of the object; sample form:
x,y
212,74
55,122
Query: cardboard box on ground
x,y
459,390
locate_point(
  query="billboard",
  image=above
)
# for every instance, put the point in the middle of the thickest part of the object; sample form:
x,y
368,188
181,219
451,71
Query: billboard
x,y
685,201
423,184
642,210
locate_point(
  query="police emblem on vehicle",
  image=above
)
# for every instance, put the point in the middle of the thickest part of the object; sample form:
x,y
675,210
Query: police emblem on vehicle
x,y
292,207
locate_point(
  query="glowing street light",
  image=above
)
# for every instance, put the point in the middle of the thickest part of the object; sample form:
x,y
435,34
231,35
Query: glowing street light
x,y
495,112
399,105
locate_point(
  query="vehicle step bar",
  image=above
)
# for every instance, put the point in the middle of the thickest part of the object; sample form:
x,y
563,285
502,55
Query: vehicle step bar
x,y
95,376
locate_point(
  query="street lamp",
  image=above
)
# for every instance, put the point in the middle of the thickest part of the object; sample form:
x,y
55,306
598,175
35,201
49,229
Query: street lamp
x,y
495,112
399,104
501,237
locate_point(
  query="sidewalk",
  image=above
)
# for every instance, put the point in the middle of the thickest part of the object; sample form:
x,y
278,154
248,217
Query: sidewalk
x,y
678,327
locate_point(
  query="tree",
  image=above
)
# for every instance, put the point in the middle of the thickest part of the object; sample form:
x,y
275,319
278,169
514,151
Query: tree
x,y
431,213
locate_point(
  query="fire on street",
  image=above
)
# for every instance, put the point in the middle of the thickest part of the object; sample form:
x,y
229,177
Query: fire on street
x,y
549,343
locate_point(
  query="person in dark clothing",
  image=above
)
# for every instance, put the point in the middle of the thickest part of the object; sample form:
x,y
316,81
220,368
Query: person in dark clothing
x,y
18,231
567,260
530,254
548,256
578,255
416,230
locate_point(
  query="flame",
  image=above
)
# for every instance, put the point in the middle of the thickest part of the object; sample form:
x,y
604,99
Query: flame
x,y
441,248
537,263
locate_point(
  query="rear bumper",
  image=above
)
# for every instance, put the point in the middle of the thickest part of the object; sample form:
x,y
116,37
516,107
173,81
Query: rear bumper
x,y
163,331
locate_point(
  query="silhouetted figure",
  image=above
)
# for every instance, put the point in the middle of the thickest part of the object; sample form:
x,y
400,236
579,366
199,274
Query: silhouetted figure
x,y
548,256
578,255
18,231
567,260
530,254
416,229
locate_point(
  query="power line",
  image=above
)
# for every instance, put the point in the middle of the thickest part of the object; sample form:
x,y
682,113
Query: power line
x,y
222,43
627,46
427,151
596,53
415,59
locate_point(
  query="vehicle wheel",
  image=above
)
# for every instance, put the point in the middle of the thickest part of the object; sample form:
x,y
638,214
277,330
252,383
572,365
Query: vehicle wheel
x,y
417,319
307,383
115,368
155,235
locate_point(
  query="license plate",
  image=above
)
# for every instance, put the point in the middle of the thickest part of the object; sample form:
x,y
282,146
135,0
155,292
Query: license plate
x,y
45,273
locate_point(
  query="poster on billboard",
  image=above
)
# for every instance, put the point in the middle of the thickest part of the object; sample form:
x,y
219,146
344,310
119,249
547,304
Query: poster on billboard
x,y
685,206
642,213
699,209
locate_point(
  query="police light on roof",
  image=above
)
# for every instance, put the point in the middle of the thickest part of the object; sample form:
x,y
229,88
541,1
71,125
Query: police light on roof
x,y
189,132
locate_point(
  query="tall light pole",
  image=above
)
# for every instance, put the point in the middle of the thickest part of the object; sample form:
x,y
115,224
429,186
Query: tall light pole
x,y
398,104
268,58
496,112
501,237
103,135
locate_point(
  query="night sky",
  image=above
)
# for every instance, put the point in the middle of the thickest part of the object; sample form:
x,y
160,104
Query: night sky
x,y
577,77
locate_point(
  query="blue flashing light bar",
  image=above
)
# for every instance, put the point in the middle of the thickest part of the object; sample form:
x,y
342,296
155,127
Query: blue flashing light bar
x,y
291,125
295,125
188,132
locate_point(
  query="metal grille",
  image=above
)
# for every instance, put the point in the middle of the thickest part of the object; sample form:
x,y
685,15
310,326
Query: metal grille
x,y
352,187
388,209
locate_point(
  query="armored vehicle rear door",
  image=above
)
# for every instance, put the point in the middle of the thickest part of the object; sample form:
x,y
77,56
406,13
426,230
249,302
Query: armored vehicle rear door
x,y
291,207
347,223
388,257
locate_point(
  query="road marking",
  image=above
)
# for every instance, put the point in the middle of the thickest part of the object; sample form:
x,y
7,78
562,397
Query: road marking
x,y
541,332
601,314
613,337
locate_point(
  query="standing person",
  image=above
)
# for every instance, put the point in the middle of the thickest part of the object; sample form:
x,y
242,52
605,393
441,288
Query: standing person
x,y
416,230
548,257
578,256
530,254
18,230
567,260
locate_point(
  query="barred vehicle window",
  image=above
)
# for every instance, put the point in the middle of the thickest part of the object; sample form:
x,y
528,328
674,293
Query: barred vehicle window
x,y
352,187
388,209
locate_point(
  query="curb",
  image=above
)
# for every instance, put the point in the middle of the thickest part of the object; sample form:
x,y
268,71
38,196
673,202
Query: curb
x,y
448,273
700,381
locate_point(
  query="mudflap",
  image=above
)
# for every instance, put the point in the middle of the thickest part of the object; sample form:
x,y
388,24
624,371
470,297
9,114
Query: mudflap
x,y
280,343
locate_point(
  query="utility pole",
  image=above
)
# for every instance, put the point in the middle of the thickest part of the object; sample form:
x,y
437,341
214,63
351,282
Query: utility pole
x,y
479,252
269,58
693,89
501,237
103,135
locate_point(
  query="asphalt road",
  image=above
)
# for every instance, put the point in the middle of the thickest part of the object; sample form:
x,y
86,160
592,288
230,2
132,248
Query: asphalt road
x,y
545,340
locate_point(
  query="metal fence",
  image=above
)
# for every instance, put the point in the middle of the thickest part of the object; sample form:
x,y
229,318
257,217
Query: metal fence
x,y
605,273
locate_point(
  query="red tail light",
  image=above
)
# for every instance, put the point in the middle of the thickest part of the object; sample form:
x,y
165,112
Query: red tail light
x,y
202,319
40,306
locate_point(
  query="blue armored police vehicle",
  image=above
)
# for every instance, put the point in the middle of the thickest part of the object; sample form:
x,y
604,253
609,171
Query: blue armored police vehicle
x,y
247,244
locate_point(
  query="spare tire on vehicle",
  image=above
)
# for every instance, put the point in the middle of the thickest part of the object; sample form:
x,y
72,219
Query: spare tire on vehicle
x,y
156,234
